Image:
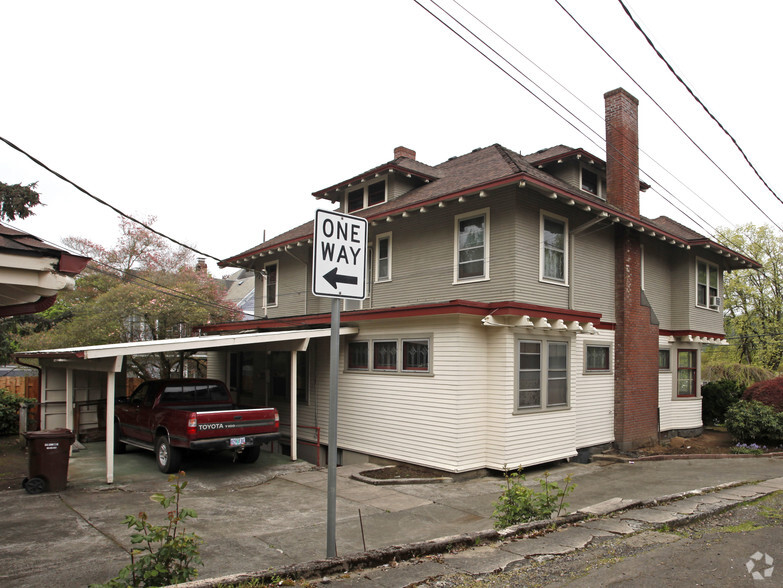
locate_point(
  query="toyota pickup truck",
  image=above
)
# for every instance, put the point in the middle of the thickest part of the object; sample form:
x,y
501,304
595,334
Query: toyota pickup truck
x,y
172,416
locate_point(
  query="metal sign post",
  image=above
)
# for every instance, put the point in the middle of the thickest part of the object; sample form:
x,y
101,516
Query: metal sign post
x,y
339,253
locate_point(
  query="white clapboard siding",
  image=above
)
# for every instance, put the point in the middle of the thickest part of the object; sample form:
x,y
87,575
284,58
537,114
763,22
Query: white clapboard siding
x,y
592,397
683,413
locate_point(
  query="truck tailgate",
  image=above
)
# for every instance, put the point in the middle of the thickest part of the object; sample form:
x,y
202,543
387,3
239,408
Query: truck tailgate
x,y
235,423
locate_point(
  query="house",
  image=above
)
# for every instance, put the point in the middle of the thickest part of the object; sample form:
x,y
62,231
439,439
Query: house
x,y
32,272
519,310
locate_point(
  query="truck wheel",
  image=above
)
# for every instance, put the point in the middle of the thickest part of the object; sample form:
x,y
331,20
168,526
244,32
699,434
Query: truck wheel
x,y
119,447
167,457
249,455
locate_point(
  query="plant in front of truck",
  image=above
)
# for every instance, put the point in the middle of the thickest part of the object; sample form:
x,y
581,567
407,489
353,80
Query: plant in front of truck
x,y
161,554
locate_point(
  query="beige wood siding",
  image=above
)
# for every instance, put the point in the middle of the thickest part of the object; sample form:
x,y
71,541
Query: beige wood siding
x,y
593,271
658,285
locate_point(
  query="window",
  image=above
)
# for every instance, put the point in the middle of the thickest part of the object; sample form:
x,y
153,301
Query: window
x,y
358,355
542,378
395,355
597,358
591,183
383,258
686,373
271,284
384,355
415,356
553,249
664,359
707,285
472,247
368,195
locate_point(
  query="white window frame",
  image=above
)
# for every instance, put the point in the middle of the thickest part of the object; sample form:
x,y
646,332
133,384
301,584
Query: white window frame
x,y
544,369
457,219
609,354
676,373
365,194
277,284
542,250
600,185
668,350
711,267
399,368
378,239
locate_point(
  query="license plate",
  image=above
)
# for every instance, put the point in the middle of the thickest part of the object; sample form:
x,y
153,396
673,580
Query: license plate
x,y
237,442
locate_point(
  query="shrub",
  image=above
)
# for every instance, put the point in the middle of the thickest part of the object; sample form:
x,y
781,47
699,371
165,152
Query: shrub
x,y
769,392
9,411
519,504
750,421
168,554
742,373
717,397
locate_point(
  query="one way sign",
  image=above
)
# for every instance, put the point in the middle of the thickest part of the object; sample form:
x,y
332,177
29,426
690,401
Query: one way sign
x,y
339,255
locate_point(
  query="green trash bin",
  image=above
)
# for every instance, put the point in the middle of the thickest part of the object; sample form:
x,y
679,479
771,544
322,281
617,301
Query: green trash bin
x,y
47,458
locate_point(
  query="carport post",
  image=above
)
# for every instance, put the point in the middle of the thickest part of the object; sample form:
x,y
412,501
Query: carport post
x,y
110,394
331,481
69,401
294,440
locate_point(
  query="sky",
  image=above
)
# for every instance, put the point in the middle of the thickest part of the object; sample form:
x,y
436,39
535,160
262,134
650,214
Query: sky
x,y
220,119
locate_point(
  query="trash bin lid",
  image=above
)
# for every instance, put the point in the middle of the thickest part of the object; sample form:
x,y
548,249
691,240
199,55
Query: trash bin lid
x,y
50,434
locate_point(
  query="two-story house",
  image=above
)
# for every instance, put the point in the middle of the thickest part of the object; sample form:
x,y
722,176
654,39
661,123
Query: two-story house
x,y
519,310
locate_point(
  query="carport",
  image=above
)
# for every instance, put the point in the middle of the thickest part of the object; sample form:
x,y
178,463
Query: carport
x,y
108,359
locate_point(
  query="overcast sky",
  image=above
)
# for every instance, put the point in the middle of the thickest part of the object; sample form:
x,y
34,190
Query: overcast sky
x,y
221,118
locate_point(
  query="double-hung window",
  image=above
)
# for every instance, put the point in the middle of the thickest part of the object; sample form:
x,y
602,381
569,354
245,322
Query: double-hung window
x,y
554,252
383,257
686,373
707,285
542,376
271,283
592,183
472,246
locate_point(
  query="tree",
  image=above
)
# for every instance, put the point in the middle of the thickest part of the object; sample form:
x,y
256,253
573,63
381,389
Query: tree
x,y
16,200
753,299
141,289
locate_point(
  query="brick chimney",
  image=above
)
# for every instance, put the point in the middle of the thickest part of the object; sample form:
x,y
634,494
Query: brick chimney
x,y
404,152
201,265
622,151
636,326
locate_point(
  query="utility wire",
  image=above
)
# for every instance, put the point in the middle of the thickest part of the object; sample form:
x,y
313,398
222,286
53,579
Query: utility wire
x,y
663,110
551,108
696,98
101,201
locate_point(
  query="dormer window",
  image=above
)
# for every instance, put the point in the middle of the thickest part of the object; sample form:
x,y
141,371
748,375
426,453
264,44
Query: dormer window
x,y
592,183
365,196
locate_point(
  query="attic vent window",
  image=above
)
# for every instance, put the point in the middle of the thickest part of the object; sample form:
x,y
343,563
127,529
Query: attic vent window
x,y
365,196
592,183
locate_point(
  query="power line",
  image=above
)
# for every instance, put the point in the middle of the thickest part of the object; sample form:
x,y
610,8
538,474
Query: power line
x,y
663,110
456,20
101,201
696,98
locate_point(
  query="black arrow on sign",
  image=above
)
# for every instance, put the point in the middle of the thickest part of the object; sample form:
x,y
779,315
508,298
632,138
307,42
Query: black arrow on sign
x,y
334,278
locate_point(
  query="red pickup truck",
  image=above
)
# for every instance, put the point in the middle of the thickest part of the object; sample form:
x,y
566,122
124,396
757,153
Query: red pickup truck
x,y
171,416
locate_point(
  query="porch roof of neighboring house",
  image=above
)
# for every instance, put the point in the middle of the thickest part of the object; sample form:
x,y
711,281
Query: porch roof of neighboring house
x,y
32,272
108,358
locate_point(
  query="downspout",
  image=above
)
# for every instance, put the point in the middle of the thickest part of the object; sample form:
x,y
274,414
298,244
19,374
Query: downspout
x,y
578,231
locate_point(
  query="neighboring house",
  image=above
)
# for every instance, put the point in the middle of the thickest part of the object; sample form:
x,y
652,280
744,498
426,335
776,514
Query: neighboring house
x,y
519,310
33,272
241,290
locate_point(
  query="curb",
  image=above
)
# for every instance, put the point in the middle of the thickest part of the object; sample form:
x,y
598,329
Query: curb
x,y
393,481
666,457
377,557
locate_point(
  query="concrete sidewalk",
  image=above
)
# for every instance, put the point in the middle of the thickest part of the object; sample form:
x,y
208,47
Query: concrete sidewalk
x,y
272,514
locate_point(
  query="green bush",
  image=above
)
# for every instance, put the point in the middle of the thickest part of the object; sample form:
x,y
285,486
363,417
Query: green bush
x,y
519,504
750,421
164,554
9,411
717,397
769,392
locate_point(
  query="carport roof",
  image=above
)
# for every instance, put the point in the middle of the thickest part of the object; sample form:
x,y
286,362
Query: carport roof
x,y
183,344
